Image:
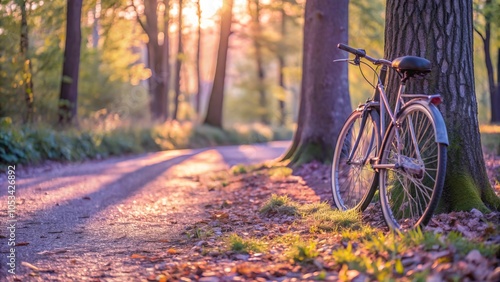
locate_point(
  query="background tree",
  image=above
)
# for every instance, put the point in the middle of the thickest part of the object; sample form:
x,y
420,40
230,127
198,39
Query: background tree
x,y
158,55
325,101
197,61
215,104
178,62
69,83
442,32
490,12
27,65
254,8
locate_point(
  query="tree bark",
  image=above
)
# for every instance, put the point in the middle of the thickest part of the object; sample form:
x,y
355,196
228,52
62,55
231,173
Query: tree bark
x,y
215,104
27,66
442,31
325,101
178,63
68,97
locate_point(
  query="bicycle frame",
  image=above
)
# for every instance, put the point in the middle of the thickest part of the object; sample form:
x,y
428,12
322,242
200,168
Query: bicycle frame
x,y
380,100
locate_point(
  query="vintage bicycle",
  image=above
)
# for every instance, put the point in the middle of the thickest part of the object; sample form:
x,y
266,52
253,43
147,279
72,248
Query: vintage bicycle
x,y
405,158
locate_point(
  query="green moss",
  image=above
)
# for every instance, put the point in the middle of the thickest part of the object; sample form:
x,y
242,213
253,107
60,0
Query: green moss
x,y
491,199
311,151
460,193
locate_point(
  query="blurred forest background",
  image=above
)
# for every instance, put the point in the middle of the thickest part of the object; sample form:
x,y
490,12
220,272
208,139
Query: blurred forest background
x,y
123,43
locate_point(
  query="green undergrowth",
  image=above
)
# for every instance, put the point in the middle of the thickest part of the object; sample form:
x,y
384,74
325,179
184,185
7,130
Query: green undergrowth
x,y
381,256
30,145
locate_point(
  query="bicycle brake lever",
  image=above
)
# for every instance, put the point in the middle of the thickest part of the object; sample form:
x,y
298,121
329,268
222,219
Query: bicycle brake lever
x,y
341,60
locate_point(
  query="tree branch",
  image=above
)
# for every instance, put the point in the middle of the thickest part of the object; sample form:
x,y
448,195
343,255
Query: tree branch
x,y
480,34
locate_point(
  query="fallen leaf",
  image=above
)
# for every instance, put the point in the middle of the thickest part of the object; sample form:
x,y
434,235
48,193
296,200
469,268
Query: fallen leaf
x,y
137,256
172,251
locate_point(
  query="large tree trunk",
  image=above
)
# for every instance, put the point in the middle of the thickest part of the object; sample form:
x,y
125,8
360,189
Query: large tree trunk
x,y
325,101
27,66
442,31
69,83
215,104
178,63
158,85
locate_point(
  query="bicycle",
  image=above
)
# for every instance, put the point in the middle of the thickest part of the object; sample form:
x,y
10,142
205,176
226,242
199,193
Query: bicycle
x,y
406,158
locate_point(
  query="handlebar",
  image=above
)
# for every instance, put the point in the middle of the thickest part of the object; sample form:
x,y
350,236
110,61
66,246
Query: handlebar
x,y
357,52
362,54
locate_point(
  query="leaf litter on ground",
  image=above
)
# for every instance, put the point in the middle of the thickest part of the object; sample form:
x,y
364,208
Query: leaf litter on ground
x,y
272,224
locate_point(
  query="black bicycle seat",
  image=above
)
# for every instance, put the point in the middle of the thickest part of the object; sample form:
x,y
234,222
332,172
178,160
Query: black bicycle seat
x,y
412,64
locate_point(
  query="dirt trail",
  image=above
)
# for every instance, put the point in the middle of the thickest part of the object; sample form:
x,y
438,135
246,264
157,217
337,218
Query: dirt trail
x,y
78,221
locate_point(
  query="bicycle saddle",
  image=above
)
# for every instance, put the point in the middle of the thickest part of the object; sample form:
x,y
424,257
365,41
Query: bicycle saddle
x,y
412,64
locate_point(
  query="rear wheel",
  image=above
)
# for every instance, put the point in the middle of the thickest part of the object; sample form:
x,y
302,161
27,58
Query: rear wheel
x,y
410,191
354,181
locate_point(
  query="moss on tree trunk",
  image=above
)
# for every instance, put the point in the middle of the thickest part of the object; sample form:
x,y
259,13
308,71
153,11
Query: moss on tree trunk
x,y
310,151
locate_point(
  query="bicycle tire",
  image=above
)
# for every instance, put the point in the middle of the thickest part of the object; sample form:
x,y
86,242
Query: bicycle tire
x,y
410,192
353,185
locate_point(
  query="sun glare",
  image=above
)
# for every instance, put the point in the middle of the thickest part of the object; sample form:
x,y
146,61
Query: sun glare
x,y
209,12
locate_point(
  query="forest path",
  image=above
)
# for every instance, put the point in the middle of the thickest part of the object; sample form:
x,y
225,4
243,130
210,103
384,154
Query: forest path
x,y
80,220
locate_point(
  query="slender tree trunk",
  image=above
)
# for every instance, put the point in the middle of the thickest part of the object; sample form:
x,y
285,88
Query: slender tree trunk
x,y
256,35
198,61
442,31
27,67
495,111
158,86
486,39
178,64
95,25
215,104
325,101
281,67
69,84
166,59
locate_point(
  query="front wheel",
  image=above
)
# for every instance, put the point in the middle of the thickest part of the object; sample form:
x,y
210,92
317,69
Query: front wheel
x,y
354,180
411,185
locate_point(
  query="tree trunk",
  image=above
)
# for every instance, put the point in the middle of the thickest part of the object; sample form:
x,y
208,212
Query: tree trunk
x,y
198,57
325,101
69,83
281,67
178,64
495,109
256,37
158,85
27,67
215,104
442,31
486,39
165,67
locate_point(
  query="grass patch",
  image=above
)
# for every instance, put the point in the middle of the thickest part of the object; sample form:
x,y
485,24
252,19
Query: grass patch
x,y
248,246
279,172
303,252
322,218
280,205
